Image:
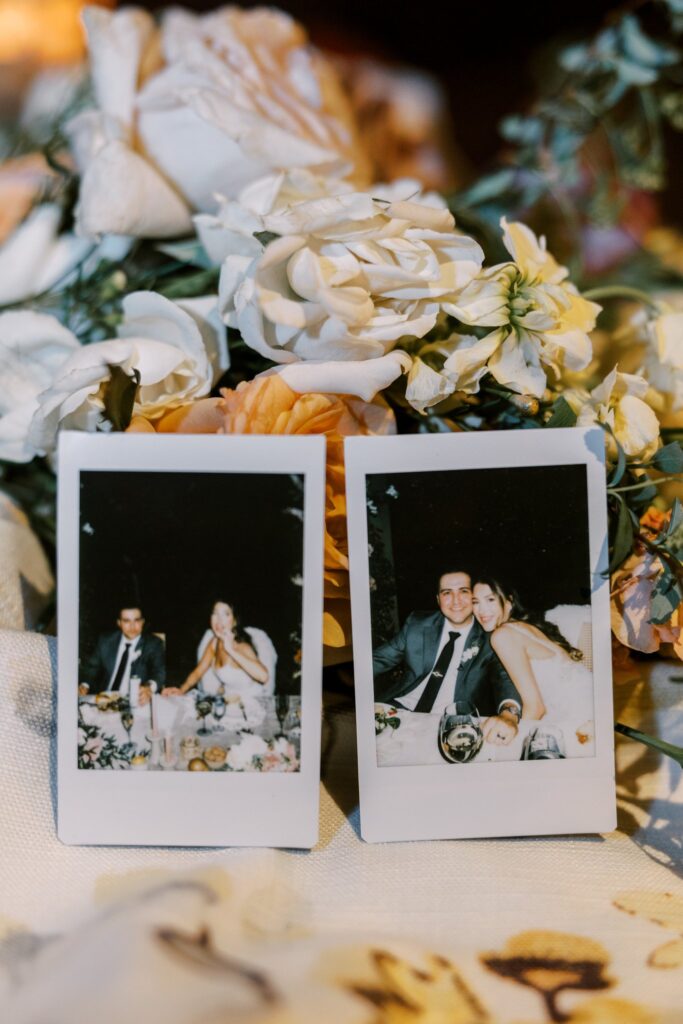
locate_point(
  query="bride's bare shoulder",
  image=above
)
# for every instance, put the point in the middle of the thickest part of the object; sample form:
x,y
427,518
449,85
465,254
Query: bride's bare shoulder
x,y
511,634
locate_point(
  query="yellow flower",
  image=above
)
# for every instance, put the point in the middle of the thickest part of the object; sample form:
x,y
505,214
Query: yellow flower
x,y
539,320
618,403
433,993
663,908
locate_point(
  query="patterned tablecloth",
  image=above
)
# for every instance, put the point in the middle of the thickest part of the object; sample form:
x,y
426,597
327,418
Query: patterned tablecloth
x,y
587,929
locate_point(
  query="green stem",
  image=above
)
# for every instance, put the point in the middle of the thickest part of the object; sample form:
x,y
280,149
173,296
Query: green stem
x,y
651,741
618,291
645,483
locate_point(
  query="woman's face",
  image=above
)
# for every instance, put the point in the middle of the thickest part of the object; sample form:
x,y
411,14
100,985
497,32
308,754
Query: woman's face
x,y
222,617
489,610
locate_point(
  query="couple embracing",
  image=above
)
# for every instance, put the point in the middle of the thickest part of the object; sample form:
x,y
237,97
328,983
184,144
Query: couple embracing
x,y
482,647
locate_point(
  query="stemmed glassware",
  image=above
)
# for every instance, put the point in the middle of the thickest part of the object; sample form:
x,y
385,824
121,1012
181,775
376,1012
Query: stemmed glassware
x,y
460,735
281,710
127,718
203,708
219,708
545,743
292,724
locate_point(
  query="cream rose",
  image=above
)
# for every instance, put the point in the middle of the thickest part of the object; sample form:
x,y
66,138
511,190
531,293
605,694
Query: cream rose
x,y
33,347
203,105
618,403
36,257
348,275
160,339
539,320
663,366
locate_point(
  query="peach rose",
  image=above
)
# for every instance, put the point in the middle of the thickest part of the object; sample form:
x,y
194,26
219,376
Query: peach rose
x,y
267,405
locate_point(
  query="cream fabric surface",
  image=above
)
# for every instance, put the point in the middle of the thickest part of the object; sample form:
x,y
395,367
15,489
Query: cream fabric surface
x,y
587,929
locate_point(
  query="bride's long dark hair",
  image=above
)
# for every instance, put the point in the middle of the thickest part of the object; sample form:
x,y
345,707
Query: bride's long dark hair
x,y
241,635
519,613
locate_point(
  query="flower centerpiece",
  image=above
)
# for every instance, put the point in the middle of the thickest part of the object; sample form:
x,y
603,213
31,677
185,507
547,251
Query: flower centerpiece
x,y
209,252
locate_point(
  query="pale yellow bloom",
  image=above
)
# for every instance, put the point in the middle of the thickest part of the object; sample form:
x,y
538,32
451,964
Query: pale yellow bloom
x,y
539,320
617,402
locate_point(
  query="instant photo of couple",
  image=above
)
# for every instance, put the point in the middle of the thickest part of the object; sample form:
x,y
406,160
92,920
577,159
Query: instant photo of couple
x,y
495,661
182,665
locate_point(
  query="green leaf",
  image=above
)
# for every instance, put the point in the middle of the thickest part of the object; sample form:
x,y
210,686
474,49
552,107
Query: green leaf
x,y
669,459
643,50
563,414
490,187
622,542
265,237
119,397
666,597
676,518
651,741
620,468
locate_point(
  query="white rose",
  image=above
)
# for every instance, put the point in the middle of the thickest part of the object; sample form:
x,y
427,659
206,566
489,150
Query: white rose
x,y
617,402
36,257
663,366
158,338
204,105
349,275
33,347
539,319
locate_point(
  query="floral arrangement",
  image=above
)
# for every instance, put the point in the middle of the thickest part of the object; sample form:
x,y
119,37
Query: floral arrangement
x,y
386,718
254,754
97,749
203,247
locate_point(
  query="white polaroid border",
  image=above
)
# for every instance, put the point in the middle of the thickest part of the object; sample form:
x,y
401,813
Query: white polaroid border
x,y
189,808
506,798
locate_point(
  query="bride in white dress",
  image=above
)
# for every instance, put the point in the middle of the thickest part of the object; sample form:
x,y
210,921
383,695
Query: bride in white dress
x,y
551,678
232,660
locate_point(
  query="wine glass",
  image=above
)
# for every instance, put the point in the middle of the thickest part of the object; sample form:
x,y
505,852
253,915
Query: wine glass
x,y
203,708
460,735
545,743
281,709
127,718
292,725
219,708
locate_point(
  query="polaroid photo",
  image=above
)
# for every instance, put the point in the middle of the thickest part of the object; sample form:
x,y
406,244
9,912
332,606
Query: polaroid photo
x,y
190,618
481,630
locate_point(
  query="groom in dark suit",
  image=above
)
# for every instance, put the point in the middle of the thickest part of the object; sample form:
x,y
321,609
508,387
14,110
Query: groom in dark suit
x,y
126,652
446,656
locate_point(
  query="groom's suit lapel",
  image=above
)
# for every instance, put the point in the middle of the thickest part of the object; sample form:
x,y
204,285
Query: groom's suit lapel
x,y
474,639
431,634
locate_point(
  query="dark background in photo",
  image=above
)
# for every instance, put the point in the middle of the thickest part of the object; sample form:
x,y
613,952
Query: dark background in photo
x,y
174,543
527,526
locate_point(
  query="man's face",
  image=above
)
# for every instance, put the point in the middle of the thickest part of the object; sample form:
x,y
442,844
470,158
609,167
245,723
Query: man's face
x,y
455,597
130,622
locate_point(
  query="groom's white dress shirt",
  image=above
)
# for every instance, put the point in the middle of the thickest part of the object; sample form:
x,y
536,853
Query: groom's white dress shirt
x,y
447,689
125,682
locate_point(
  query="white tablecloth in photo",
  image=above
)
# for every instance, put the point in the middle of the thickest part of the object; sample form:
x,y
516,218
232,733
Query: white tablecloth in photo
x,y
347,933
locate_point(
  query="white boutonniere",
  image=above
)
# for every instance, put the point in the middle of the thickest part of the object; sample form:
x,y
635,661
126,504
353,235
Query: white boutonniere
x,y
470,653
135,656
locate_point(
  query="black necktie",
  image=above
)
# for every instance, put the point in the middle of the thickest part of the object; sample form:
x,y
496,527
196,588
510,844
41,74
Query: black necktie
x,y
121,670
435,680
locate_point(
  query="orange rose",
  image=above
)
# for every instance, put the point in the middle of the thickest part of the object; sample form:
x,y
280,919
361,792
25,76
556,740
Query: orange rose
x,y
267,405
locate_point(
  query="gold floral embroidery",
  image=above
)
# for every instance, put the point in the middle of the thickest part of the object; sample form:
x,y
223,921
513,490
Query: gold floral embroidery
x,y
408,994
662,908
550,963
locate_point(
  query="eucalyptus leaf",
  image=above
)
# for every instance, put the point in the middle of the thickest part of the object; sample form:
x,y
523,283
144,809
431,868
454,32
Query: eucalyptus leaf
x,y
622,542
669,459
563,414
642,49
666,597
676,518
119,397
651,741
489,188
620,468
